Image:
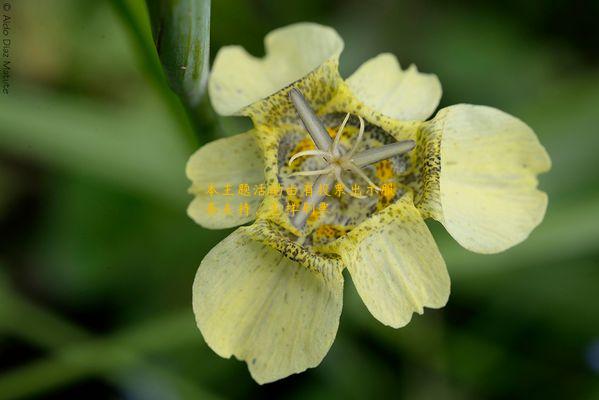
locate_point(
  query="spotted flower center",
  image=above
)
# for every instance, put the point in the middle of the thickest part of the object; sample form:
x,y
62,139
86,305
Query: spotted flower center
x,y
351,166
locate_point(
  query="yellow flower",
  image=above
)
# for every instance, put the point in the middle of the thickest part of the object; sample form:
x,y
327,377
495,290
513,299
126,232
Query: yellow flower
x,y
271,292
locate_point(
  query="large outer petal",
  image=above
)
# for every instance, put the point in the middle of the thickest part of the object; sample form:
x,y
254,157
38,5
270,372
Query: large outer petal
x,y
234,160
396,265
252,302
381,84
238,79
488,179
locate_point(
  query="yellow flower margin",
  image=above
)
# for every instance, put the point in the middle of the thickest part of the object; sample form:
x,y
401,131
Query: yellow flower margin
x,y
273,305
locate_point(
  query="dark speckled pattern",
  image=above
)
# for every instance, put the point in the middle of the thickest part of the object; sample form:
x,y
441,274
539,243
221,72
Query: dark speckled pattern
x,y
280,134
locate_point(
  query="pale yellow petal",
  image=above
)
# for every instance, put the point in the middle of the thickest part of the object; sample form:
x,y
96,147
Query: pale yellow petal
x,y
231,162
278,316
488,180
238,79
396,265
381,84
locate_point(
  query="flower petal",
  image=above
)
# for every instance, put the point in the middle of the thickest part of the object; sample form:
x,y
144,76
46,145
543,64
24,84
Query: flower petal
x,y
396,265
381,84
488,184
238,79
230,161
252,302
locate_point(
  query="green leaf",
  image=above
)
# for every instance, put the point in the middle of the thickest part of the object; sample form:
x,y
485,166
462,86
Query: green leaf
x,y
182,34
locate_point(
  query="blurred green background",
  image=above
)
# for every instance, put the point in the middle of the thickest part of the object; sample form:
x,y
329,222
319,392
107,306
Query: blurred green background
x,y
97,255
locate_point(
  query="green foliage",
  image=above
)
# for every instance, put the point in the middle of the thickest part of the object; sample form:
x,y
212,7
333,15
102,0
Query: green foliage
x,y
97,255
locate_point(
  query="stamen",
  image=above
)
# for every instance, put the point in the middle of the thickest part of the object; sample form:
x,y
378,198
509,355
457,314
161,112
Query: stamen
x,y
358,139
362,175
376,154
335,148
315,128
325,154
339,179
346,188
311,173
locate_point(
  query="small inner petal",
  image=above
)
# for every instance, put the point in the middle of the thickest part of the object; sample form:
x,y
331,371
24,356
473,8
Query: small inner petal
x,y
376,154
311,122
